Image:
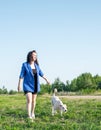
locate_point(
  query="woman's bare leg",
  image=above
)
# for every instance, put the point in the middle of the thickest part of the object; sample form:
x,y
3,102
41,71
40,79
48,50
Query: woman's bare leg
x,y
34,96
29,103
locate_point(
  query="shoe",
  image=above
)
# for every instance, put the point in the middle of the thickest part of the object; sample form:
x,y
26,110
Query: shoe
x,y
33,116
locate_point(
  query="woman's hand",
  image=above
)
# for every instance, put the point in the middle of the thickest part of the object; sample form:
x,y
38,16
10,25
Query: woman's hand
x,y
19,84
46,80
19,88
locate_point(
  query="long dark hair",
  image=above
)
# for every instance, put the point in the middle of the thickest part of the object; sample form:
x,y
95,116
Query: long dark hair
x,y
29,57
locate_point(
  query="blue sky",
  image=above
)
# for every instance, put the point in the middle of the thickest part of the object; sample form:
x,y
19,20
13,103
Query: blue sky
x,y
66,35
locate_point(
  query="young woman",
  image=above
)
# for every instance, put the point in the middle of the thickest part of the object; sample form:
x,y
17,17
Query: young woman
x,y
29,75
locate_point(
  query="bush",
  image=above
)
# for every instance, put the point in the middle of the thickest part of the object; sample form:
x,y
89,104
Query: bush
x,y
11,92
3,90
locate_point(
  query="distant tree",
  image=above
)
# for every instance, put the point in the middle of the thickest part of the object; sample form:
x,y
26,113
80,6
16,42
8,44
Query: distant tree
x,y
11,92
97,81
84,81
45,88
67,86
73,85
3,90
58,84
0,91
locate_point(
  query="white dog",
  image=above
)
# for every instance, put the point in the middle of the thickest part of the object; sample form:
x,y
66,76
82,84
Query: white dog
x,y
57,104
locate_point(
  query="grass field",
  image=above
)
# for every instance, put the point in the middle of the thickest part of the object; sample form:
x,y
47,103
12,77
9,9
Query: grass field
x,y
83,114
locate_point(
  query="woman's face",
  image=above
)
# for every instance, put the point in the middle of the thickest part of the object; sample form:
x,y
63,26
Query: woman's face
x,y
34,56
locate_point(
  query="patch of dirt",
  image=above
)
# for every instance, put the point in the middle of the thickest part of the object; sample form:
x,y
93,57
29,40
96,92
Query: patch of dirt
x,y
82,97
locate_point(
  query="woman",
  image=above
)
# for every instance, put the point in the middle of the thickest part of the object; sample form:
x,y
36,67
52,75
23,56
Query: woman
x,y
29,74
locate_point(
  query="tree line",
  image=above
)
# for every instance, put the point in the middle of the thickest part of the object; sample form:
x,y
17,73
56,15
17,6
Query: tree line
x,y
84,82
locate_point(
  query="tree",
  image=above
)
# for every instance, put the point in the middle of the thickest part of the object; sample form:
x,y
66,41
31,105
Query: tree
x,y
58,84
3,90
73,85
97,81
67,86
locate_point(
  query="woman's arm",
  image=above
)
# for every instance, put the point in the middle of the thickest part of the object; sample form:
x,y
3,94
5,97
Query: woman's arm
x,y
45,79
20,84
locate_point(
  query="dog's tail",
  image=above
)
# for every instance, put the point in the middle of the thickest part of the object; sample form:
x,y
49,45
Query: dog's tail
x,y
55,91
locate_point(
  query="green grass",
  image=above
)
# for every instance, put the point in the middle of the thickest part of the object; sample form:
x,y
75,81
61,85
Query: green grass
x,y
83,114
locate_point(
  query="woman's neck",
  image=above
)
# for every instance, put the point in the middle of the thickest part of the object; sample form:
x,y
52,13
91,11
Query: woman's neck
x,y
32,65
32,62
